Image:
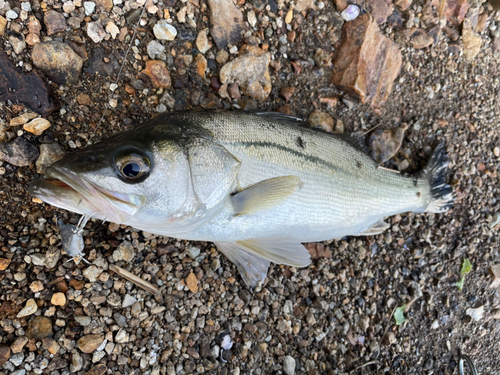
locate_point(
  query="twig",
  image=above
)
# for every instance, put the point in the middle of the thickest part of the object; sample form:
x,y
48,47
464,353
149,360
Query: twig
x,y
134,279
369,130
388,169
364,365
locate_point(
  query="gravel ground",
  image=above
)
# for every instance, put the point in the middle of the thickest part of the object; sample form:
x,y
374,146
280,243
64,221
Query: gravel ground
x,y
334,317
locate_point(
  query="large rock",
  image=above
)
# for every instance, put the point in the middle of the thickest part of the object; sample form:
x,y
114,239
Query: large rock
x,y
366,63
19,152
250,71
58,61
226,22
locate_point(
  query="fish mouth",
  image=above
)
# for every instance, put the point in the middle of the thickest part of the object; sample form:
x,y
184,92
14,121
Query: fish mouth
x,y
65,189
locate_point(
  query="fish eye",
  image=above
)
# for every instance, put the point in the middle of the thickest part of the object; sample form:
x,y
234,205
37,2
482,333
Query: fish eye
x,y
132,167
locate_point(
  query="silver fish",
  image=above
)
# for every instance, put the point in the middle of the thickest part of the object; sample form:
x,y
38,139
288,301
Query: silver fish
x,y
257,185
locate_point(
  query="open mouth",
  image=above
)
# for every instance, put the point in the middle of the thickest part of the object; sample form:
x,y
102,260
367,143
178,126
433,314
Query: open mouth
x,y
65,189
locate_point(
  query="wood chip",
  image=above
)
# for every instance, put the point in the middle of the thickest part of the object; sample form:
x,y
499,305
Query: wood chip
x,y
134,279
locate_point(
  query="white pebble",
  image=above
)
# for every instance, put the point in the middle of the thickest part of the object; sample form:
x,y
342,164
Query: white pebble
x,y
26,6
350,13
89,7
164,31
10,14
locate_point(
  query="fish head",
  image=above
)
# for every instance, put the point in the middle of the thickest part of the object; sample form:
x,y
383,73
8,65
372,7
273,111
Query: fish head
x,y
132,177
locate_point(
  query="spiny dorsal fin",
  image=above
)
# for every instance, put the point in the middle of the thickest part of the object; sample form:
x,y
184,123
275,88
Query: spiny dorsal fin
x,y
264,195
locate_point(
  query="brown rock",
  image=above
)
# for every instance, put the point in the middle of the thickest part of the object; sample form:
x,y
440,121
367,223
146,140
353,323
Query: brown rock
x,y
4,263
158,72
227,23
83,99
318,119
420,39
104,5
58,61
284,109
302,5
54,21
192,283
471,41
250,71
455,10
322,58
90,343
77,284
389,338
97,370
383,144
32,39
234,91
330,101
37,126
50,345
58,299
201,64
39,328
18,345
287,92
3,24
402,5
482,21
380,9
34,26
341,5
4,354
366,63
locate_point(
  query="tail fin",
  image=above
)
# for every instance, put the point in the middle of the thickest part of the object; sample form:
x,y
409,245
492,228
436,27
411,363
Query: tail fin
x,y
441,194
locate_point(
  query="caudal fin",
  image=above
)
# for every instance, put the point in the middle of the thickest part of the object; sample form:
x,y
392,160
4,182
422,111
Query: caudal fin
x,y
441,193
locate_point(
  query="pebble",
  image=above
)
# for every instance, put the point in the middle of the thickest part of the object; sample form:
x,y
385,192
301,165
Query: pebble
x,y
350,13
100,369
18,44
128,301
18,345
495,314
30,308
194,252
58,61
289,365
17,359
58,299
36,286
287,92
222,56
37,126
89,343
112,29
4,263
95,31
4,354
52,256
39,328
202,41
11,15
421,39
155,50
3,24
89,7
475,313
496,151
192,283
164,31
251,72
471,41
318,119
385,143
227,23
49,154
54,21
494,271
92,273
83,320
389,338
158,72
125,251
18,152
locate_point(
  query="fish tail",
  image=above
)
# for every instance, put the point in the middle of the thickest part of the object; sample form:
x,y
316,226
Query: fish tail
x,y
442,196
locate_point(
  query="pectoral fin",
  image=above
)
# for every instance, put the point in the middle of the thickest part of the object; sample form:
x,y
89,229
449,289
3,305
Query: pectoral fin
x,y
377,228
264,194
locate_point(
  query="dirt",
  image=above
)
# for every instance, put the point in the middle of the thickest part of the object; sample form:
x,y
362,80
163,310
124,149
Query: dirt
x,y
326,331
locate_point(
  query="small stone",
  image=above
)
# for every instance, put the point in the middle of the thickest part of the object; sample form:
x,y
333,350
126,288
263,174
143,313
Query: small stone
x,y
250,70
495,273
364,323
384,143
68,7
106,5
350,13
37,126
4,263
155,49
496,151
36,286
420,39
3,24
475,313
158,72
95,31
287,93
495,314
471,41
128,301
380,10
4,354
226,24
76,362
18,345
90,343
100,369
39,328
52,256
192,283
122,336
366,63
125,251
389,338
194,252
202,41
234,91
30,308
164,31
92,273
83,320
54,21
201,64
32,39
58,61
83,99
112,29
222,56
89,7
302,5
435,324
50,345
49,154
455,10
58,299
289,365
318,119
18,43
19,152
11,15
402,5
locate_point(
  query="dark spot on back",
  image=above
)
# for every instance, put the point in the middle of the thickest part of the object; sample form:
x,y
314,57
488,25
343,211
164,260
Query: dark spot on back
x,y
358,164
300,142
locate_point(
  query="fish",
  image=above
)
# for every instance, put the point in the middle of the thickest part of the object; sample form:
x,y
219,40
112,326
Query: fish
x,y
257,185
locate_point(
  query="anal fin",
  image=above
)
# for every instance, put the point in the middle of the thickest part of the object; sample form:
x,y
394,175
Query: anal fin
x,y
377,228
